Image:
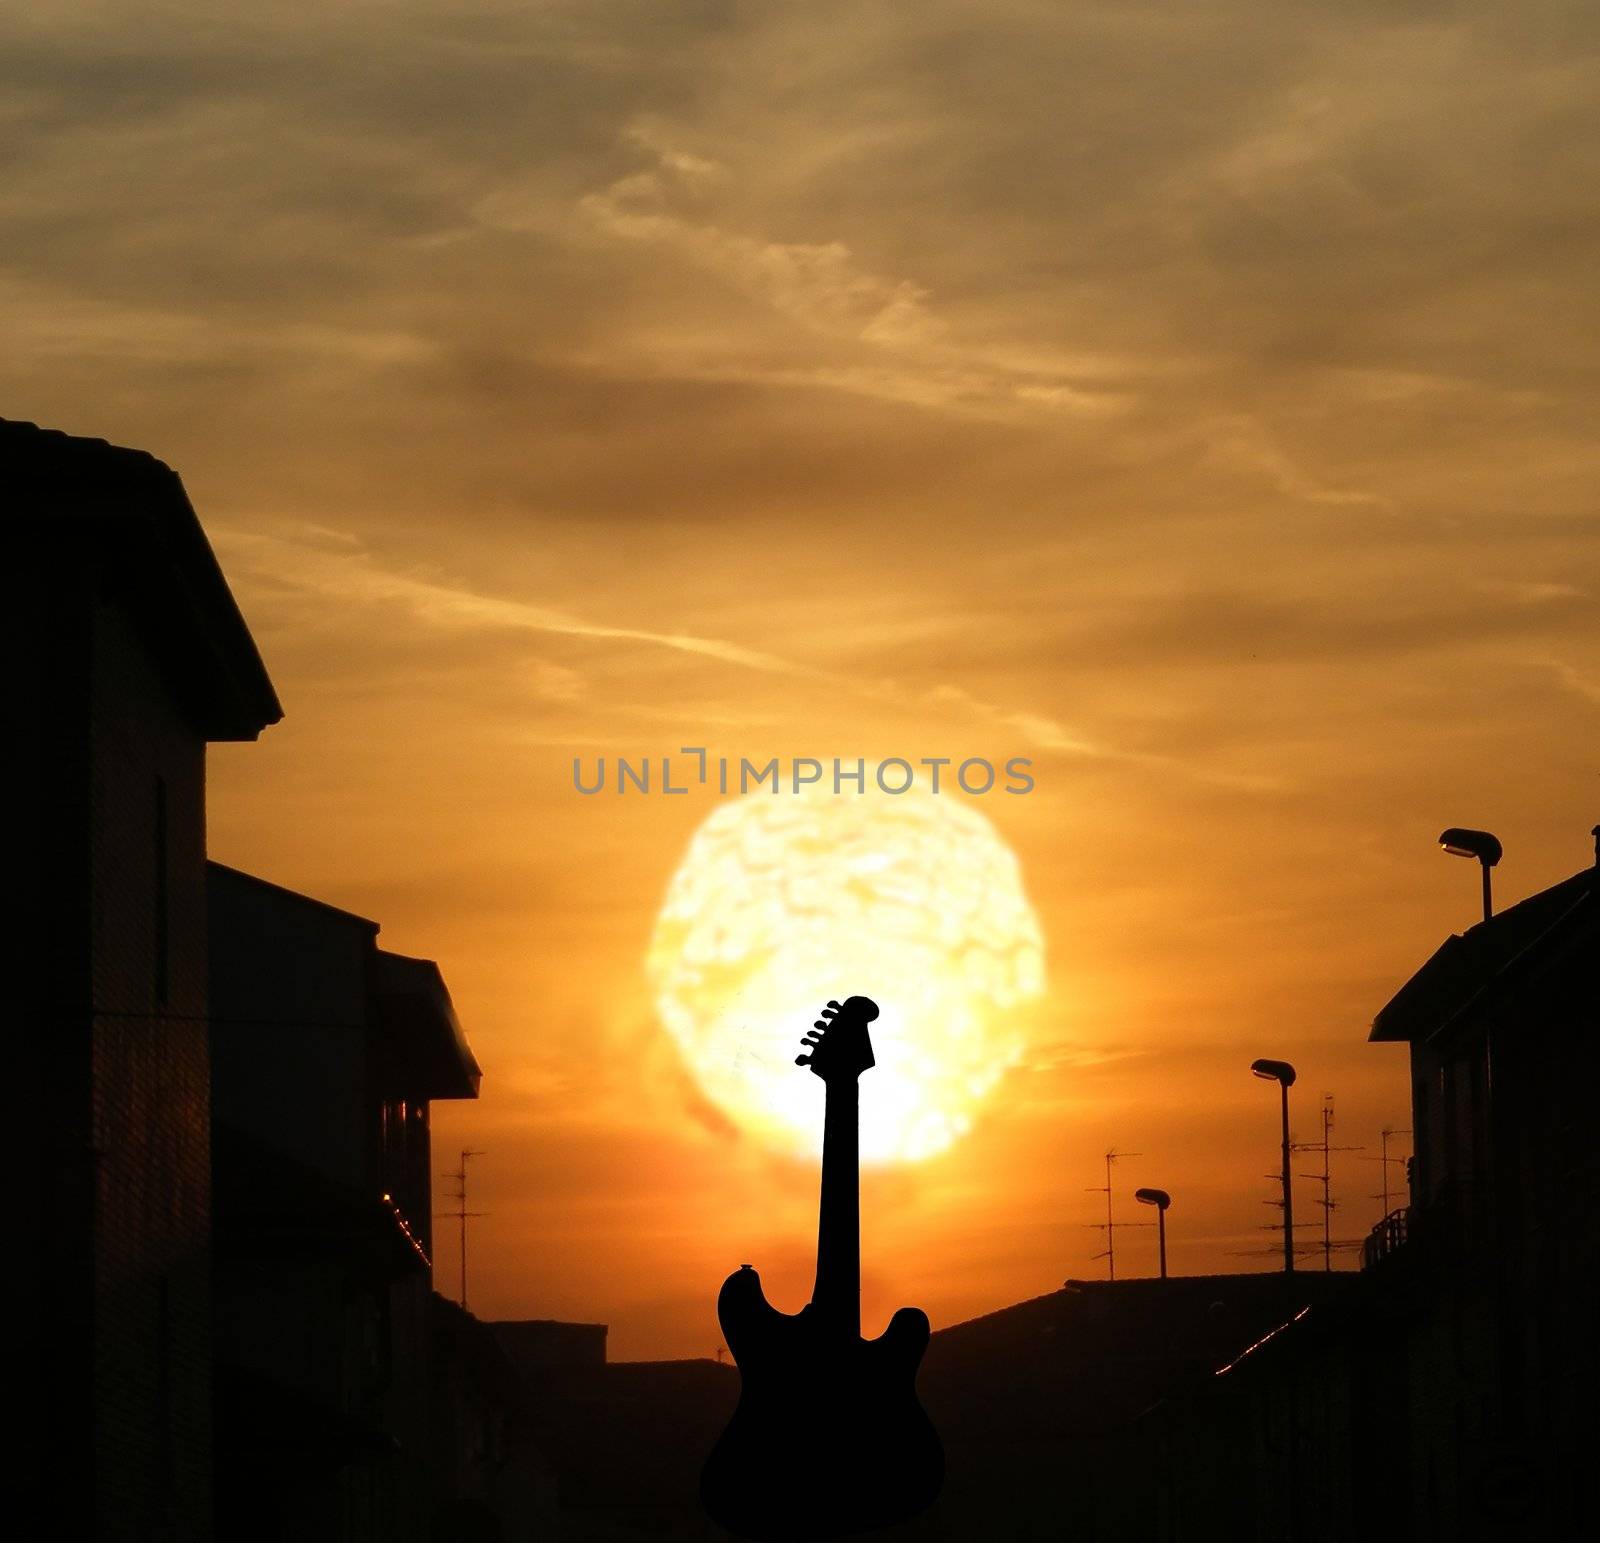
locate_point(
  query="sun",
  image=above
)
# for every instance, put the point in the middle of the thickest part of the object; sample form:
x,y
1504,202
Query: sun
x,y
782,902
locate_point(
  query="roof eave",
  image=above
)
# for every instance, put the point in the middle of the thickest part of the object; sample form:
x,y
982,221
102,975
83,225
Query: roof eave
x,y
134,508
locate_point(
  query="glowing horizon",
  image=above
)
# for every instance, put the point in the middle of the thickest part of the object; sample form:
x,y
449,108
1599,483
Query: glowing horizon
x,y
1195,400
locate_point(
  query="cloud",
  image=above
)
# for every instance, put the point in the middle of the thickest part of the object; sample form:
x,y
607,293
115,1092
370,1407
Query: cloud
x,y
354,578
48,328
1076,1055
1531,592
344,577
824,289
1043,733
819,285
1243,442
1585,687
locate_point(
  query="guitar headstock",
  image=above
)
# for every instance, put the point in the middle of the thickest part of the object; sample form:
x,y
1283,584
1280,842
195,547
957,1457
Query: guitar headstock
x,y
839,1044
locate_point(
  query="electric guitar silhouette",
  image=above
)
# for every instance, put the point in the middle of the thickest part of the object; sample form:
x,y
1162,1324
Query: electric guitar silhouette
x,y
828,1436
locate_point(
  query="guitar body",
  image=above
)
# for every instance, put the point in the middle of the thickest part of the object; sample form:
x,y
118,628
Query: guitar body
x,y
828,1437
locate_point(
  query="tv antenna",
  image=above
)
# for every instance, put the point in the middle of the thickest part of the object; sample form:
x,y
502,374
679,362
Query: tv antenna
x,y
1325,1178
461,1213
1110,1224
1386,1160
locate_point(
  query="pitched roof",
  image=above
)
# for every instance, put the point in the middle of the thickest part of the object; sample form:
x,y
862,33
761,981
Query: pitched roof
x,y
280,894
1094,1355
70,496
1468,966
427,1051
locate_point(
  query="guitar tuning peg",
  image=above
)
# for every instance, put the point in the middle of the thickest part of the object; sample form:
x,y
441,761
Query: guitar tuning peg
x,y
810,1039
834,1005
821,1023
802,1060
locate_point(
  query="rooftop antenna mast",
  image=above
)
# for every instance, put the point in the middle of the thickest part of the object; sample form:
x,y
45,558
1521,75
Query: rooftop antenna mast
x,y
1325,1178
1383,1139
1110,1224
461,1213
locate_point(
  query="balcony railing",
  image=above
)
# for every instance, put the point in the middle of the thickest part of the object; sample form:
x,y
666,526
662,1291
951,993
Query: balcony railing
x,y
1388,1237
1453,1230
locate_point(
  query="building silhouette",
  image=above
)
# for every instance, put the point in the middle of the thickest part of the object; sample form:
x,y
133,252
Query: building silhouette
x,y
1446,1394
1498,1252
625,1440
1037,1405
1042,1406
492,1478
228,1329
326,1054
128,657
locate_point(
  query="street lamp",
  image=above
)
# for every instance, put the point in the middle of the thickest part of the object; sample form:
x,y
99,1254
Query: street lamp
x,y
1160,1199
1282,1073
1474,843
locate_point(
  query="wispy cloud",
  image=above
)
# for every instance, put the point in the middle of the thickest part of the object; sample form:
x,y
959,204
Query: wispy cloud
x,y
353,576
1045,733
1242,442
48,326
1585,687
828,292
1530,591
338,569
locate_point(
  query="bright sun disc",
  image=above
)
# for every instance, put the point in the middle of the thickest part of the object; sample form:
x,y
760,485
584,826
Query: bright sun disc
x,y
782,902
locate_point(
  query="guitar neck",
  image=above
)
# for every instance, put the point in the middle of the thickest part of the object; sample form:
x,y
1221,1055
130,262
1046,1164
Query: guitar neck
x,y
837,1294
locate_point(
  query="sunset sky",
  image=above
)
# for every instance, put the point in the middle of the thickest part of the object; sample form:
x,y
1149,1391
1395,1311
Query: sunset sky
x,y
1199,400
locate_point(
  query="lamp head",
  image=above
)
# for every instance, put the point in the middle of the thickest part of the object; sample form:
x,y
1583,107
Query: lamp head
x,y
1159,1198
1274,1071
1471,843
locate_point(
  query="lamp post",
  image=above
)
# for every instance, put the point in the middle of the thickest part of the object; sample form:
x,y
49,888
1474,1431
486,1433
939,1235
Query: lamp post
x,y
1474,843
1282,1073
1160,1199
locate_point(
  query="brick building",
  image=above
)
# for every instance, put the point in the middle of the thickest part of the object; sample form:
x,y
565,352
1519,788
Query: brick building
x,y
127,656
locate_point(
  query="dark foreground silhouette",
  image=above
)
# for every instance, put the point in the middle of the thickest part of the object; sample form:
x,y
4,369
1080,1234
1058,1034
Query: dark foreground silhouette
x,y
828,1437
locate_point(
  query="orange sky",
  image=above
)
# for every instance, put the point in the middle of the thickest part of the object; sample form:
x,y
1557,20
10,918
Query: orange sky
x,y
1199,401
